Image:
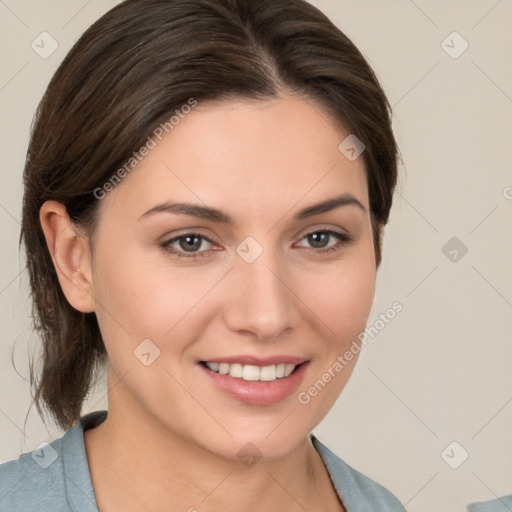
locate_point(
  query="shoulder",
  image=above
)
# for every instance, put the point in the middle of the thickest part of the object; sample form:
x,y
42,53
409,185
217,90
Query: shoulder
x,y
358,492
54,477
502,504
35,481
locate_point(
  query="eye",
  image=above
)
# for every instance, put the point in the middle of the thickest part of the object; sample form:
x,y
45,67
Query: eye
x,y
318,240
188,245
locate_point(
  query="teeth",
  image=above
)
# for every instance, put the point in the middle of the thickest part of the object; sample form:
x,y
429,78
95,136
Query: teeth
x,y
235,370
214,366
268,373
251,372
288,369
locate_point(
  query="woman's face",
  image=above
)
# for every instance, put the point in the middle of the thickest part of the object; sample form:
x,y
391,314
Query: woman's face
x,y
257,290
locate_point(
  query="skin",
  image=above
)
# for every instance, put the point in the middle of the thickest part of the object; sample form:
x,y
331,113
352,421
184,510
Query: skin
x,y
260,162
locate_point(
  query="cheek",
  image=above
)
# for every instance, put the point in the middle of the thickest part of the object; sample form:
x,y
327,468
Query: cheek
x,y
141,298
342,298
342,295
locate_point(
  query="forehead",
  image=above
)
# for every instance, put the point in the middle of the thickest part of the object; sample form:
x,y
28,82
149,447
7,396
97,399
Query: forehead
x,y
247,156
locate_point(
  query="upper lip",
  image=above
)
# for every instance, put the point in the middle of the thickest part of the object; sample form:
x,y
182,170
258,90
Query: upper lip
x,y
257,361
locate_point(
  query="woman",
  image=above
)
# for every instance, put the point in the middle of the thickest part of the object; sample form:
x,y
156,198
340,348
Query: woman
x,y
205,190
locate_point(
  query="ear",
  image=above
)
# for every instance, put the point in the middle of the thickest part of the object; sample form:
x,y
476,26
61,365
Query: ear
x,y
70,254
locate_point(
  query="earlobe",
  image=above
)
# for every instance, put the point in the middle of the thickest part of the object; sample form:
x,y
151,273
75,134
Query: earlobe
x,y
70,255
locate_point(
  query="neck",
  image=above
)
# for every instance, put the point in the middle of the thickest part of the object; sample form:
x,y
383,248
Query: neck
x,y
166,471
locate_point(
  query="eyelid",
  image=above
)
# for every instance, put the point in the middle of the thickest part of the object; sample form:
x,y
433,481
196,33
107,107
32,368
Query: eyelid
x,y
343,238
314,228
166,245
175,238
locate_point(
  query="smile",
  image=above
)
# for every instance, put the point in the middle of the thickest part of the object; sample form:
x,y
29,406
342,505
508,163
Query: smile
x,y
250,372
255,381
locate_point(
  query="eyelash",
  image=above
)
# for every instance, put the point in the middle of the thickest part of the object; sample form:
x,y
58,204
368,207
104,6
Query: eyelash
x,y
343,239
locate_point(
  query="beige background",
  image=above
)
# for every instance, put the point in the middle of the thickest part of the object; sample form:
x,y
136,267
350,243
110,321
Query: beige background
x,y
441,370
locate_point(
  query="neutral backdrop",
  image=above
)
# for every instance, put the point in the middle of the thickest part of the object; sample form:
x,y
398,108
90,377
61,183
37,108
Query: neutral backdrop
x,y
434,386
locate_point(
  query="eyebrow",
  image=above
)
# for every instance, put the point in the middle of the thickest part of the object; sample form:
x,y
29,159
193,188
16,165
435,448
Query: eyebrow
x,y
216,215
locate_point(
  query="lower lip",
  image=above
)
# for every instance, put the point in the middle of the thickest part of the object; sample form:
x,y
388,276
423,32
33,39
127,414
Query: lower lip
x,y
257,392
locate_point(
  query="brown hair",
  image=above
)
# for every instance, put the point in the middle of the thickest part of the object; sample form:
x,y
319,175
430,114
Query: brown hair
x,y
126,75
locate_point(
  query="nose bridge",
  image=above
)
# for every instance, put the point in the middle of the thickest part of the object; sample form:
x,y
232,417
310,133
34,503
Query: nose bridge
x,y
262,303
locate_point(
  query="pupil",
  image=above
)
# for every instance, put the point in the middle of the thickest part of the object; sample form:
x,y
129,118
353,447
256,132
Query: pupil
x,y
193,245
313,239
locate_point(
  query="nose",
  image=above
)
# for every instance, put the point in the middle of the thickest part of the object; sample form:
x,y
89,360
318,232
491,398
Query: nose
x,y
261,300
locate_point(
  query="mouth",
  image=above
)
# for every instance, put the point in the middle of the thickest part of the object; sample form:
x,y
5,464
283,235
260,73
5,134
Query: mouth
x,y
255,384
249,372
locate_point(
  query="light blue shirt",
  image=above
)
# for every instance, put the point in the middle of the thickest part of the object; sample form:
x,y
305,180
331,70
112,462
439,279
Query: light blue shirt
x,y
56,478
503,504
